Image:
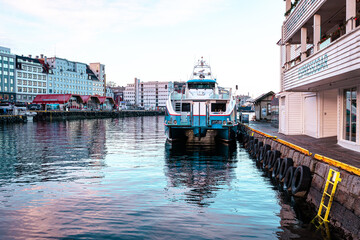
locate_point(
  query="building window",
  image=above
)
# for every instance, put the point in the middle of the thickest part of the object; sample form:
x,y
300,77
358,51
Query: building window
x,y
350,114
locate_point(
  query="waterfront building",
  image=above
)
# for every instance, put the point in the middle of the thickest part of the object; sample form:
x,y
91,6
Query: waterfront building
x,y
99,70
262,105
320,70
7,74
67,77
244,100
148,95
31,78
109,92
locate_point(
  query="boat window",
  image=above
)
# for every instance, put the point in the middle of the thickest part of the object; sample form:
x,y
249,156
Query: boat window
x,y
185,107
200,85
218,107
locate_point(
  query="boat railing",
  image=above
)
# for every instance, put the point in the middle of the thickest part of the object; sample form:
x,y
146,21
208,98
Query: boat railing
x,y
182,97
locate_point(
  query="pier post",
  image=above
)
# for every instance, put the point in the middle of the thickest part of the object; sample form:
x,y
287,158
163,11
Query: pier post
x,y
317,32
303,43
350,15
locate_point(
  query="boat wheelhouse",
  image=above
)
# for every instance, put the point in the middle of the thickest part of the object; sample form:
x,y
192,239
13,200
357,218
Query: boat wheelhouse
x,y
201,109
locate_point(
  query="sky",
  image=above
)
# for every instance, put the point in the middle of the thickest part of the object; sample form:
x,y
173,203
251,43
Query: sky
x,y
154,40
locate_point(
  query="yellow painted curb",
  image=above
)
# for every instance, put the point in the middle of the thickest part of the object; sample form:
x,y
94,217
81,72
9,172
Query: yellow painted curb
x,y
330,161
338,164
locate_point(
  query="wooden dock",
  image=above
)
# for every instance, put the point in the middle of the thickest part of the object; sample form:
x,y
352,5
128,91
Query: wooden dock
x,y
322,146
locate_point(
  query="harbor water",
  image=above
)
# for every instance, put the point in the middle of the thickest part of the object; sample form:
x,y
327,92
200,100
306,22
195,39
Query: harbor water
x,y
119,179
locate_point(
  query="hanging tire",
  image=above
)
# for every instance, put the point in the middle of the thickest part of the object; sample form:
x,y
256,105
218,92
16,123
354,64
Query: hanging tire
x,y
252,147
266,148
301,181
267,158
288,178
276,170
258,150
276,154
286,163
259,154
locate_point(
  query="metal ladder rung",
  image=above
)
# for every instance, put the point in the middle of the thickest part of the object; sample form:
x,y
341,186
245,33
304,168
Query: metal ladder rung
x,y
324,206
331,182
327,194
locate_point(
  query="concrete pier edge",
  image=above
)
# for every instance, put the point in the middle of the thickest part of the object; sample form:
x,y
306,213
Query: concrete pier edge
x,y
345,211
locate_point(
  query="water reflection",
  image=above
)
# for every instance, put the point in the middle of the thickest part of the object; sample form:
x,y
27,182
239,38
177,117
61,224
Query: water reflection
x,y
199,171
37,152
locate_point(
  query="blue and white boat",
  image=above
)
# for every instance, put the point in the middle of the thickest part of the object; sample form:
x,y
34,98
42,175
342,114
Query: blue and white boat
x,y
201,109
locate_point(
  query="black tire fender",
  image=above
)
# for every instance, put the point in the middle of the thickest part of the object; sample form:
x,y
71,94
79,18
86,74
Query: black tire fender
x,y
301,180
286,163
258,156
266,148
257,150
288,178
276,154
267,158
276,170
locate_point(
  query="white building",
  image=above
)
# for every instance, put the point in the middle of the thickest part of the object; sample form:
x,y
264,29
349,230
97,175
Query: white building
x,y
320,70
31,78
149,95
72,77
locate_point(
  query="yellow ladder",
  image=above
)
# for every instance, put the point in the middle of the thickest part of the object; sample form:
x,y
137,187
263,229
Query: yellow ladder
x,y
322,216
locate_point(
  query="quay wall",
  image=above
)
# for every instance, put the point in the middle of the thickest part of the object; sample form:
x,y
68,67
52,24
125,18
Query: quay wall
x,y
345,210
12,119
62,115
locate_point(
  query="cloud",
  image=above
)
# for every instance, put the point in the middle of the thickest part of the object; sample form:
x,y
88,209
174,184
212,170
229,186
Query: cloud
x,y
99,15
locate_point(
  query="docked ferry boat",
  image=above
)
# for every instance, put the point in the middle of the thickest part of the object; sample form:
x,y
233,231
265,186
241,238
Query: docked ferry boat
x,y
201,109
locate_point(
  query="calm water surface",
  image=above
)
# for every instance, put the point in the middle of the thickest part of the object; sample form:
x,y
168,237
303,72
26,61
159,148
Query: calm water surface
x,y
118,179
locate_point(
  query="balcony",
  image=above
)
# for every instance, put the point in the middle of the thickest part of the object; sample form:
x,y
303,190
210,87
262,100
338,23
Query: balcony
x,y
335,64
302,14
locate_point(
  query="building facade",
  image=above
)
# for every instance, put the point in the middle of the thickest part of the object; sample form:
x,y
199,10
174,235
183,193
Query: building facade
x,y
109,92
148,95
99,70
31,78
320,70
67,77
7,75
262,106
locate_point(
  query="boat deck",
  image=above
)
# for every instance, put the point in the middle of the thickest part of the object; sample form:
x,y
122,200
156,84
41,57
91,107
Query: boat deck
x,y
324,146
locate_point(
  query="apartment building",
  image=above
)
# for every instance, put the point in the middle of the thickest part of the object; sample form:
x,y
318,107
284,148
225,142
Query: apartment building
x,y
7,74
31,78
320,70
149,95
72,77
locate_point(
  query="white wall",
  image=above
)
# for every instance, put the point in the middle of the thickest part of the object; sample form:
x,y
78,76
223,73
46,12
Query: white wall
x,y
329,111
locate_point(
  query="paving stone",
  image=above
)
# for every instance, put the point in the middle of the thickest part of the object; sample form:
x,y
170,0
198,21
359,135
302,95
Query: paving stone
x,y
356,206
340,196
349,202
318,183
312,163
301,158
314,197
295,158
355,189
322,169
351,222
291,153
